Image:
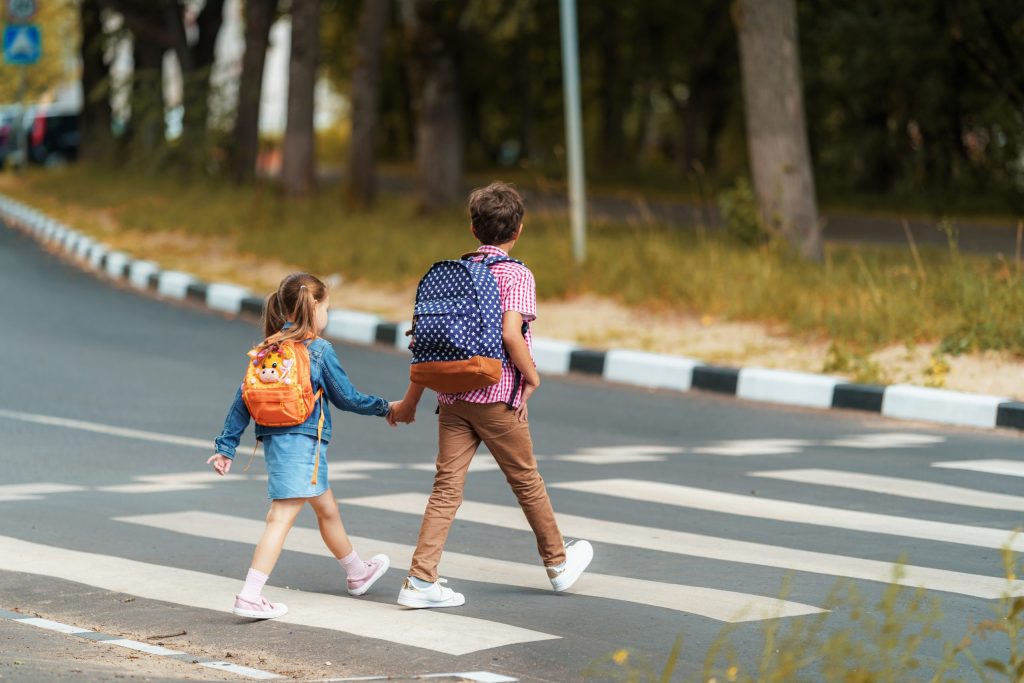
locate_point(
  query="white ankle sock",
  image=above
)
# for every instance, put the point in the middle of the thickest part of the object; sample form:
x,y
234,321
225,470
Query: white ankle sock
x,y
254,581
354,567
420,583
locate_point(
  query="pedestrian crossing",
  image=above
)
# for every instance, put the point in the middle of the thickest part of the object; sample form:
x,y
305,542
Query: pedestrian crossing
x,y
676,593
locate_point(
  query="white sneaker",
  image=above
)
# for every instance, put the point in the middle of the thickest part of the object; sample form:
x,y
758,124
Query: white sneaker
x,y
434,596
578,555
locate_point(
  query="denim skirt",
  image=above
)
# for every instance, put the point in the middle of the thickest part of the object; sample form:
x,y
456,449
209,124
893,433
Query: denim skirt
x,y
289,459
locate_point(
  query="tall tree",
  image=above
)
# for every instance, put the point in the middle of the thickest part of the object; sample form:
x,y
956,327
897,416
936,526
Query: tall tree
x,y
360,179
259,16
433,39
197,67
298,173
776,127
97,138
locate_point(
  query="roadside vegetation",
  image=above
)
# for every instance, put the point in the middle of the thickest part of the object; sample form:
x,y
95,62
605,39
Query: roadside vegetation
x,y
859,298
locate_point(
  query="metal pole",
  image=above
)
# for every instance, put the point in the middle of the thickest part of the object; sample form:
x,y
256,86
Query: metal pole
x,y
19,128
573,129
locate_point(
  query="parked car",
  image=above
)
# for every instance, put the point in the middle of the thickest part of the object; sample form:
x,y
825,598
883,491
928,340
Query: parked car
x,y
54,138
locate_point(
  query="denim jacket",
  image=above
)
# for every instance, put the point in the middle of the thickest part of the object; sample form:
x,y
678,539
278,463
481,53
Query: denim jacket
x,y
326,372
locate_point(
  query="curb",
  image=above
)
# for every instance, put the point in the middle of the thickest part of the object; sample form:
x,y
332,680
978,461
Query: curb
x,y
553,357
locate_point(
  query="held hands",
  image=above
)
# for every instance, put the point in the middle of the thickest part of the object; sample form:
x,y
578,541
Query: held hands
x,y
220,463
402,412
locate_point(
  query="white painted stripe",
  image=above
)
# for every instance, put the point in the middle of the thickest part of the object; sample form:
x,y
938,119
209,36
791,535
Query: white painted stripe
x,y
116,261
650,369
353,326
225,297
142,647
552,356
783,386
174,284
176,481
96,254
1009,468
401,340
246,671
53,625
83,246
716,604
713,547
435,631
886,440
897,486
620,455
34,491
480,463
745,447
110,430
474,676
797,513
140,271
939,405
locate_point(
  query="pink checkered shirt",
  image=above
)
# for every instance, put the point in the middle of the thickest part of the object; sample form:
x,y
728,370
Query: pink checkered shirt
x,y
518,292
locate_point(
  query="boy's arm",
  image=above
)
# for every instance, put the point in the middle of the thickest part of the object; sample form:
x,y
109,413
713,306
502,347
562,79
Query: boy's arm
x,y
518,351
342,393
234,426
405,410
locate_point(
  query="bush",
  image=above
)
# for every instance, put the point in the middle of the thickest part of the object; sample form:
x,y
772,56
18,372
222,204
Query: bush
x,y
741,215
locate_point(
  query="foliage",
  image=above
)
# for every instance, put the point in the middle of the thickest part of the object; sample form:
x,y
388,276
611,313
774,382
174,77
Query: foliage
x,y
58,23
861,298
741,216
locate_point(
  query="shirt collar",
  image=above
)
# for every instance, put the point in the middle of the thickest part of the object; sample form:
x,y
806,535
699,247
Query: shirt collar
x,y
491,249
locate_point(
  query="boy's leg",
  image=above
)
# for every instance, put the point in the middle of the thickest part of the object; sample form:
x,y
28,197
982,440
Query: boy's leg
x,y
510,443
457,444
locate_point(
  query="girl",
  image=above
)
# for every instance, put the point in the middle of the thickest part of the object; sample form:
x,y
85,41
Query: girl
x,y
297,312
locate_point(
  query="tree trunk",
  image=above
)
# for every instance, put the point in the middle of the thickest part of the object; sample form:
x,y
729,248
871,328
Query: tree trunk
x,y
259,16
776,126
439,144
360,178
147,99
298,174
97,138
196,80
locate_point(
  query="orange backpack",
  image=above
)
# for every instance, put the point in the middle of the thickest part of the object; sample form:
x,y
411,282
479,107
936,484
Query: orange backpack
x,y
278,389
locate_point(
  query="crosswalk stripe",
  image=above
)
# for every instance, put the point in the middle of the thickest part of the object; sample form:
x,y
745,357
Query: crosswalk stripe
x,y
436,631
713,547
721,605
896,486
886,440
17,492
745,447
1009,468
110,430
797,513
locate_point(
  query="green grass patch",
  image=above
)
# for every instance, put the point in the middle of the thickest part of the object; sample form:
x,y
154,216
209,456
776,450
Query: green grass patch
x,y
860,298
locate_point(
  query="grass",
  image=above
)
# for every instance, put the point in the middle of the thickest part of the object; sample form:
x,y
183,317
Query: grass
x,y
860,298
892,640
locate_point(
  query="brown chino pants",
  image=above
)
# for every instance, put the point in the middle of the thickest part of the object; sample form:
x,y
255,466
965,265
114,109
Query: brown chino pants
x,y
461,428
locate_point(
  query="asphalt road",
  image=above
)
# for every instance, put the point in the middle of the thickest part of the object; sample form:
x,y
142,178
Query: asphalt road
x,y
127,533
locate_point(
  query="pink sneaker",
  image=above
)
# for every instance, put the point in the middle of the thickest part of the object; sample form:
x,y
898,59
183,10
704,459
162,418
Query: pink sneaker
x,y
375,568
258,608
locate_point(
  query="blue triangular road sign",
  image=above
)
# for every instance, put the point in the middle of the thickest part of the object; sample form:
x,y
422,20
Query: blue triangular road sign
x,y
22,44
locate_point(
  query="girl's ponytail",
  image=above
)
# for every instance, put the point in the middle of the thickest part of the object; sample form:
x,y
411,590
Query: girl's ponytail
x,y
294,302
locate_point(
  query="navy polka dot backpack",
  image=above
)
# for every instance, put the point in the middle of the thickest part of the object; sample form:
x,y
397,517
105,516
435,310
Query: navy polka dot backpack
x,y
456,330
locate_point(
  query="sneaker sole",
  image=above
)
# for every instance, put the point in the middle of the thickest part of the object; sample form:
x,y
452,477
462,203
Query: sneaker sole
x,y
373,579
416,603
566,581
255,614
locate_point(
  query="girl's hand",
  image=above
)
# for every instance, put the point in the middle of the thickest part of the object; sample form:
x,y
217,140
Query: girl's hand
x,y
221,463
402,412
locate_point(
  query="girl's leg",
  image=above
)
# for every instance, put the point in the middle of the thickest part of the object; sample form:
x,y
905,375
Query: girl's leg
x,y
279,521
329,520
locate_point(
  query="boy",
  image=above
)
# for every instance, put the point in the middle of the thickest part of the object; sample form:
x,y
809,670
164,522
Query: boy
x,y
466,419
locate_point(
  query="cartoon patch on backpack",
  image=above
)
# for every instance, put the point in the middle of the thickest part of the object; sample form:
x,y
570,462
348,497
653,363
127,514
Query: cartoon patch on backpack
x,y
272,364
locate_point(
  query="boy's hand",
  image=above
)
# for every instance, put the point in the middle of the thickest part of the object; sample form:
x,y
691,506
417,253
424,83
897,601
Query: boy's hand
x,y
522,412
402,412
220,463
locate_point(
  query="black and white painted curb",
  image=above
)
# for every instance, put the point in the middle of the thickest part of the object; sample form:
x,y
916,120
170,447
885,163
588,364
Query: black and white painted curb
x,y
137,646
656,371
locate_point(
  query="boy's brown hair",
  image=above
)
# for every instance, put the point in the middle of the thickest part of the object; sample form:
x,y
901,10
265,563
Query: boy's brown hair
x,y
496,212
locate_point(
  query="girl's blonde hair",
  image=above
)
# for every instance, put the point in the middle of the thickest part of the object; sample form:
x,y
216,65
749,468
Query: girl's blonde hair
x,y
294,301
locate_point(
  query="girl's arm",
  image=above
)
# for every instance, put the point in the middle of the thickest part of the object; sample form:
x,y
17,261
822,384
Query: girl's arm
x,y
234,426
343,394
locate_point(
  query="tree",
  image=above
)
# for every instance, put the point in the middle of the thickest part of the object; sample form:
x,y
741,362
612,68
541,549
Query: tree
x,y
259,16
97,138
360,179
432,27
298,173
197,65
776,128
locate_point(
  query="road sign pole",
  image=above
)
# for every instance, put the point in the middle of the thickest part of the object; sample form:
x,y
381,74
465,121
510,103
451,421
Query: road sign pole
x,y
19,127
574,130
